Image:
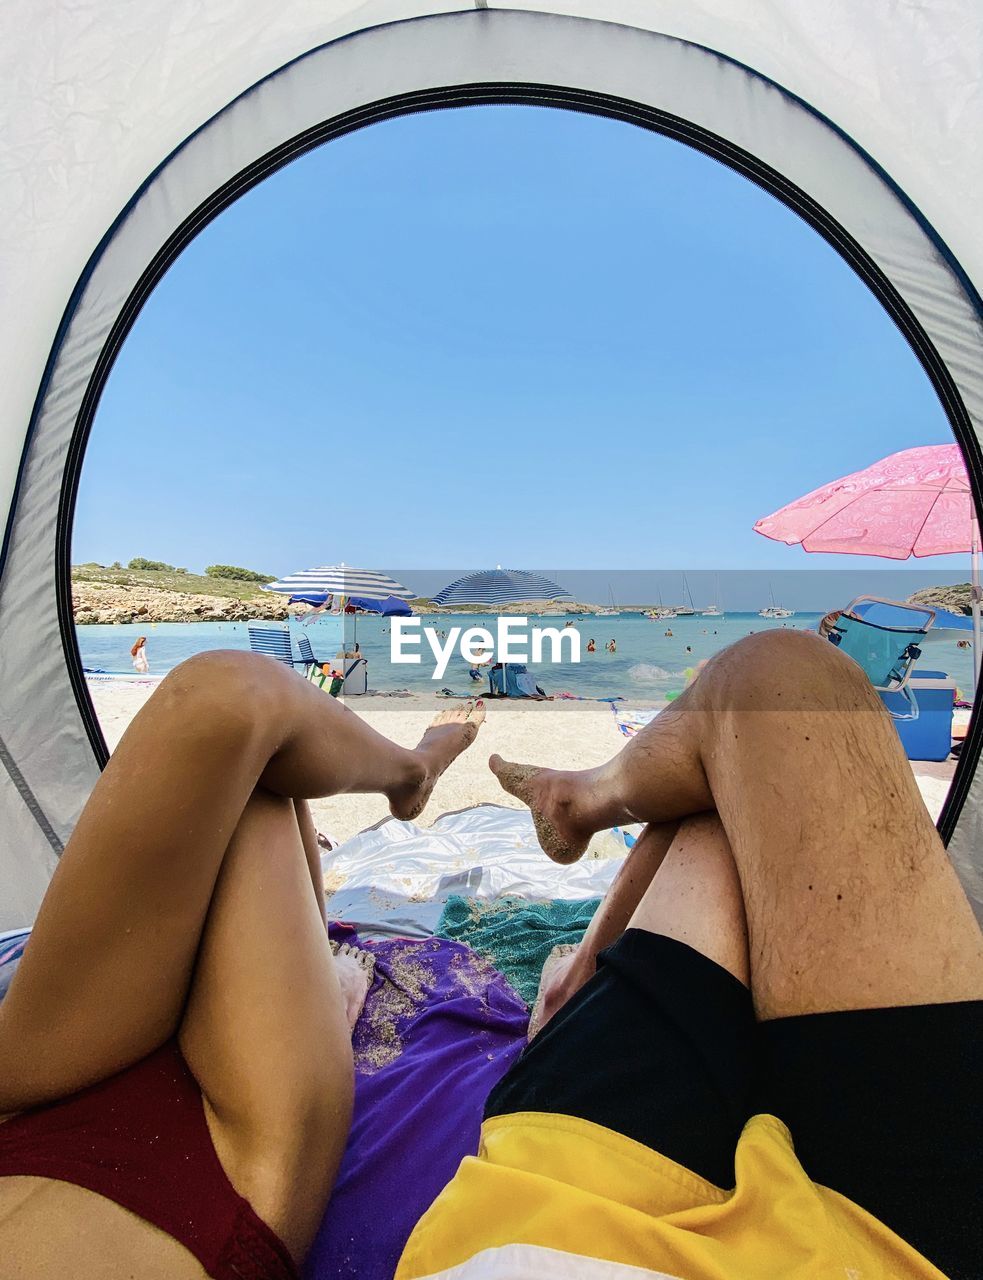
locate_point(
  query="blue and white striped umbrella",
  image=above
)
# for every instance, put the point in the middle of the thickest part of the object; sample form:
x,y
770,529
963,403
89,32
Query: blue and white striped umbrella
x,y
499,586
340,580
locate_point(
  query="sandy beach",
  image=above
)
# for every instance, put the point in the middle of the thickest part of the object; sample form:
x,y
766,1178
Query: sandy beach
x,y
562,734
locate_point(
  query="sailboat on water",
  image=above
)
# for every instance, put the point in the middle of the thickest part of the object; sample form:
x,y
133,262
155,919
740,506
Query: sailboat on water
x,y
688,609
662,613
612,611
714,610
773,610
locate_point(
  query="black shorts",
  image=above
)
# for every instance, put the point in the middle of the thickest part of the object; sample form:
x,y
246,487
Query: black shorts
x,y
884,1105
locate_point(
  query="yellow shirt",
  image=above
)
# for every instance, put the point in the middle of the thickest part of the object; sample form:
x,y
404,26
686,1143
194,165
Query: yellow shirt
x,y
555,1196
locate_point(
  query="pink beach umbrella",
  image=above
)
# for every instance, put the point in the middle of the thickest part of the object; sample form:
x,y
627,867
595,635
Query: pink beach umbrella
x,y
914,503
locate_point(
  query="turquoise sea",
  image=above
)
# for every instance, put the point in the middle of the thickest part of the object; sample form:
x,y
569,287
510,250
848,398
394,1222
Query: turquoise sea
x,y
647,665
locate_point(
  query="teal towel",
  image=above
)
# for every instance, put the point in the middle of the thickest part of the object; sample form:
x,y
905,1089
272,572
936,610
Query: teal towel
x,y
516,935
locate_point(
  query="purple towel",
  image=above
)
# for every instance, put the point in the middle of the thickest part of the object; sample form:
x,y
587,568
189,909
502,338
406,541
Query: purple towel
x,y
439,1029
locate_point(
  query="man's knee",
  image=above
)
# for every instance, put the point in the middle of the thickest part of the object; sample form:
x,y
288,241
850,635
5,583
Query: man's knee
x,y
786,670
773,650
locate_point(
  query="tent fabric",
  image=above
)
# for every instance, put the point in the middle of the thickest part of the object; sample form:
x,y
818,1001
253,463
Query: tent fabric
x,y
126,131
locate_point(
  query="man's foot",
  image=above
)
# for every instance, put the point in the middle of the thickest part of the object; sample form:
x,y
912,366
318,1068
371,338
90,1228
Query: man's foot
x,y
553,798
355,969
450,732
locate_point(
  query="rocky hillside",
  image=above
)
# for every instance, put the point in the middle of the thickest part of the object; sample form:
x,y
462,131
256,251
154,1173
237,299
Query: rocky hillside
x,y
955,599
148,595
101,594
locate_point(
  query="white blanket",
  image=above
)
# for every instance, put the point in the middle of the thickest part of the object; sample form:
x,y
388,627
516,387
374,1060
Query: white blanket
x,y
395,878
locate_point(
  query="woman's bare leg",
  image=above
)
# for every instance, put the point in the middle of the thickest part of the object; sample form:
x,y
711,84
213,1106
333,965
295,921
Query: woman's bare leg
x,y
850,899
265,1032
265,1028
312,851
109,966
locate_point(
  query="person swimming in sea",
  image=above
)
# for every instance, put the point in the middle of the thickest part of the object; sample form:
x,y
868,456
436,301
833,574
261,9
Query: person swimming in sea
x,y
591,646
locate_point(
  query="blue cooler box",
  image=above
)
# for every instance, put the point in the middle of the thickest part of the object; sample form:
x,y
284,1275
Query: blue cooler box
x,y
930,736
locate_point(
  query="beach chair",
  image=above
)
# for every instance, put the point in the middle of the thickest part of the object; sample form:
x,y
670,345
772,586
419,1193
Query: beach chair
x,y
884,638
312,664
275,643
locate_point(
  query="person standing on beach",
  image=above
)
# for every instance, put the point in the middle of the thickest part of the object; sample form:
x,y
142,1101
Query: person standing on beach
x,y
139,655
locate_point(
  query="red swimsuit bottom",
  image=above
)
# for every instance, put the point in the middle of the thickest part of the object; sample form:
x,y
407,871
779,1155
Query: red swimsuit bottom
x,y
140,1139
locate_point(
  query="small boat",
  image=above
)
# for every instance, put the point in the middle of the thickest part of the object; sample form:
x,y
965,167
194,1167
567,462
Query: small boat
x,y
662,613
714,610
774,610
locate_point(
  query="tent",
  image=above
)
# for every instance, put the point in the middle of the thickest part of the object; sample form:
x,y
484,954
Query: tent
x,y
127,127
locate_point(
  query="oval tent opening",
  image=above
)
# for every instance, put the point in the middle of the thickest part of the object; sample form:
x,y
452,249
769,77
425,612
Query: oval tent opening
x,y
776,140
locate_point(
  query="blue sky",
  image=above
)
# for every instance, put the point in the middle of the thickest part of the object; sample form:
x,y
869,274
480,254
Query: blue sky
x,y
496,335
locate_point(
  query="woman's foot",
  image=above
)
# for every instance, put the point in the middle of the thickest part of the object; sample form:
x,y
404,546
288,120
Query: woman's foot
x,y
449,733
554,797
355,969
